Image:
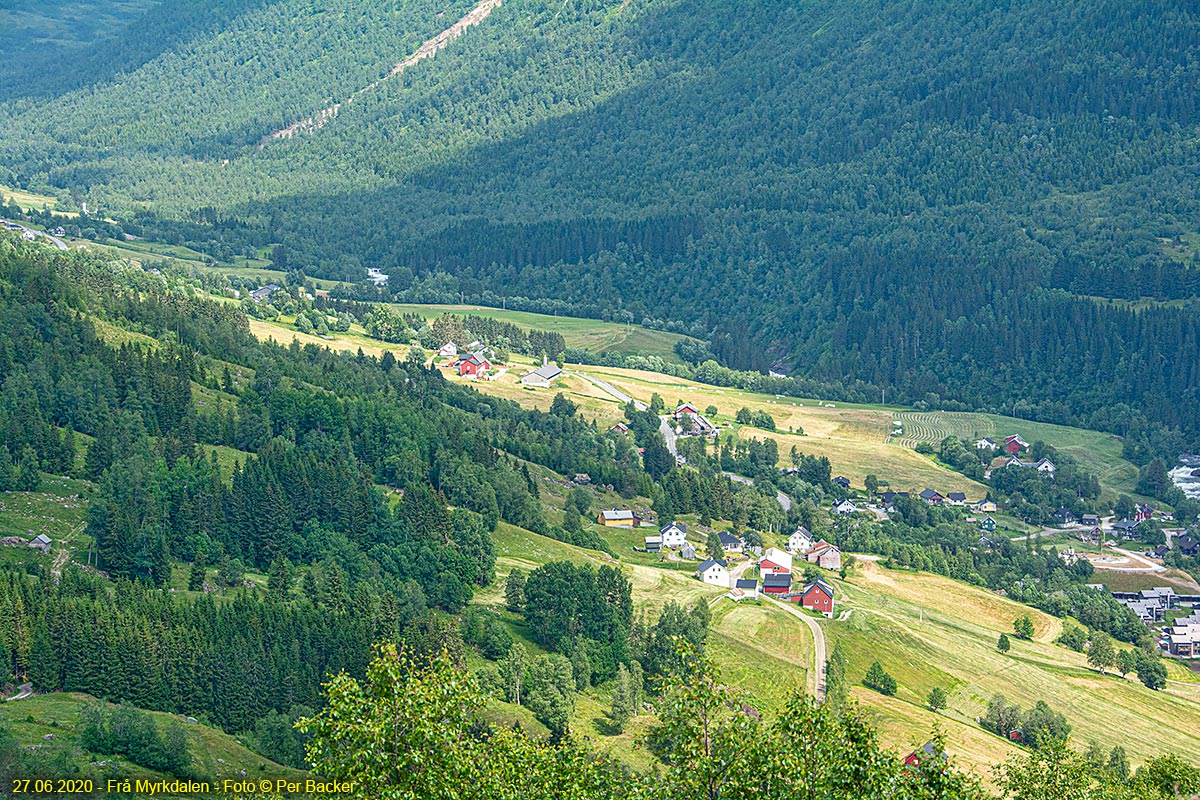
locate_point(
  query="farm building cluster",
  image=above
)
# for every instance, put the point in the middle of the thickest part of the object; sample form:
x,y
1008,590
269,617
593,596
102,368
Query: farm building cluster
x,y
477,362
776,579
690,422
1162,608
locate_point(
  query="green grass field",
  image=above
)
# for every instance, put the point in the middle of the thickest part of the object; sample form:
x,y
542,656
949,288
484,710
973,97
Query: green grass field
x,y
1098,453
215,754
594,336
58,507
852,436
930,631
31,201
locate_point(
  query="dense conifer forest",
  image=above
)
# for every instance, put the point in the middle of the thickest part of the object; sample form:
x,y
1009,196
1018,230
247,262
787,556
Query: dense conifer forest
x,y
969,206
319,435
980,206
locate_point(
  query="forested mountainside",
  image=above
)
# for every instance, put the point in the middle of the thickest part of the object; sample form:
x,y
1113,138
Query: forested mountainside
x,y
316,435
974,205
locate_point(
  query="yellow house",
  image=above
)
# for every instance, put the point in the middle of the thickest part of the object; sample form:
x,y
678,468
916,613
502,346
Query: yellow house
x,y
618,518
985,507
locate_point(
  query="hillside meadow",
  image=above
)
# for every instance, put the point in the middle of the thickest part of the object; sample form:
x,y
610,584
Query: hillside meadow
x,y
215,754
931,631
856,438
593,335
924,629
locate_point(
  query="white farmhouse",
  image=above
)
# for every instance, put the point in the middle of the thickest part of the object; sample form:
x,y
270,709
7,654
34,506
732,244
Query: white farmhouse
x,y
713,572
800,541
673,534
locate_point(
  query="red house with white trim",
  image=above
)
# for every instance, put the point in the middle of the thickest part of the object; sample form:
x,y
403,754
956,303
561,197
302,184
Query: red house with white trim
x,y
818,596
1015,444
473,365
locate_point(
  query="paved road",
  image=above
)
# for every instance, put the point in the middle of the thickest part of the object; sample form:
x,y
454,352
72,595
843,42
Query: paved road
x,y
785,502
614,391
23,691
817,675
57,242
668,432
1039,534
737,572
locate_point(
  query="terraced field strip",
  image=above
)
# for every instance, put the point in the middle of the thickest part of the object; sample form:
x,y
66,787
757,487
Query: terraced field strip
x,y
934,426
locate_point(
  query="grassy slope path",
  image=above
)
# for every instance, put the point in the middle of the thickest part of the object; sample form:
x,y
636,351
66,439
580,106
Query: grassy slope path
x,y
816,678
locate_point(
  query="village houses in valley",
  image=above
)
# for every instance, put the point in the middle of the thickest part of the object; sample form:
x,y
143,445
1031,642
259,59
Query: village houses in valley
x,y
714,572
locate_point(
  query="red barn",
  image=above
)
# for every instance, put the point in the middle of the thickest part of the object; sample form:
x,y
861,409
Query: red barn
x,y
473,365
928,751
1015,444
818,596
778,584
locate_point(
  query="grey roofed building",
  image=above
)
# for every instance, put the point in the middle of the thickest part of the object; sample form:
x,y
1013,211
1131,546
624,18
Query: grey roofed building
x,y
1126,527
777,580
731,542
708,562
542,376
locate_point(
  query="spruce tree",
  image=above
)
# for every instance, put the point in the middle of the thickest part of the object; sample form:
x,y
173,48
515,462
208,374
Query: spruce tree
x,y
279,579
8,480
43,664
196,576
101,452
622,700
29,474
514,591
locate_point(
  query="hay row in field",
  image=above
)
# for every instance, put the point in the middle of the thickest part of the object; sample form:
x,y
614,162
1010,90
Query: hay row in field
x,y
934,426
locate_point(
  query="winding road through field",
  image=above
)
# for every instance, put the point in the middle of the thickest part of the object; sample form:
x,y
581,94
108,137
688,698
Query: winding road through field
x,y
57,242
817,676
624,398
668,432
